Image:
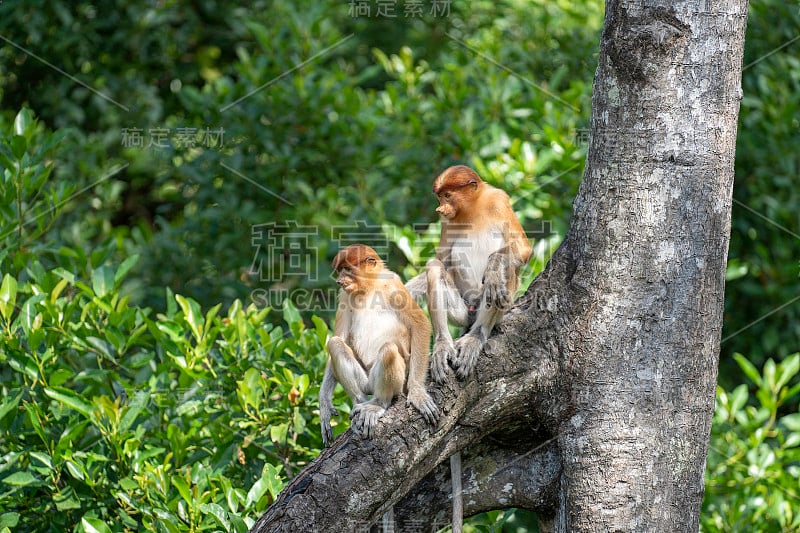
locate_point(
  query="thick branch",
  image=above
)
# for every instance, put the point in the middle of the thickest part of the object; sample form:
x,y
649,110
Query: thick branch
x,y
354,481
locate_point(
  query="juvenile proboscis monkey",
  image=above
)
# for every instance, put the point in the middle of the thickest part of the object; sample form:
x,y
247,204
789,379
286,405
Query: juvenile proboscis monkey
x,y
472,280
380,345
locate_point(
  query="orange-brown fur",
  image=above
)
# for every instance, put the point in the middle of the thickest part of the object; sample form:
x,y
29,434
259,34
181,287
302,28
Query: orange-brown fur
x,y
481,250
380,343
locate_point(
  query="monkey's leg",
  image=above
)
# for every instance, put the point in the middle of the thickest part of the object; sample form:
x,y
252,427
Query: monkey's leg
x,y
348,370
444,304
386,378
469,346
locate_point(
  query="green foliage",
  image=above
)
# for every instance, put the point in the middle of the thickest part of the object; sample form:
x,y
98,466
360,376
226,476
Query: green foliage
x,y
753,471
29,203
115,418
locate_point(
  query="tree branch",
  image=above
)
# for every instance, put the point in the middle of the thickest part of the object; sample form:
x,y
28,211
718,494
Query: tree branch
x,y
354,481
493,477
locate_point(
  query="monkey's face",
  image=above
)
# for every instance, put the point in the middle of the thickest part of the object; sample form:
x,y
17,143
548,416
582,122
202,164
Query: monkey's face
x,y
347,281
449,202
456,189
357,278
356,267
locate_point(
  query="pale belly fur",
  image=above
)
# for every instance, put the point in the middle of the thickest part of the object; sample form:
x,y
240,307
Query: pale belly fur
x,y
470,255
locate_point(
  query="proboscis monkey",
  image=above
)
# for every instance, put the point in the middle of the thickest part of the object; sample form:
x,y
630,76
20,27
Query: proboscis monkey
x,y
380,345
475,274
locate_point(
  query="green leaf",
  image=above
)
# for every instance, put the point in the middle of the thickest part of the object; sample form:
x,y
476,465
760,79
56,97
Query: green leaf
x,y
218,513
321,328
738,398
24,364
239,525
787,369
35,417
102,346
75,470
192,314
290,313
71,399
124,268
183,488
23,121
298,421
769,374
272,475
102,280
278,432
171,308
133,410
5,159
792,422
27,314
8,296
9,519
22,479
9,404
56,292
748,368
94,525
257,491
66,500
64,274
18,146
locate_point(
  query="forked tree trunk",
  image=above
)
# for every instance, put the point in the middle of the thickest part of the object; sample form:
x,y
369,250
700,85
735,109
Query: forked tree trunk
x,y
592,403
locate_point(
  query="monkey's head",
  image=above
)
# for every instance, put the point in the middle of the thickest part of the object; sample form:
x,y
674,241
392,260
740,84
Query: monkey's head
x,y
455,188
357,267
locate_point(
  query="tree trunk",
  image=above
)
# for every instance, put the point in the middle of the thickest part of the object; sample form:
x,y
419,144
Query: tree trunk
x,y
592,402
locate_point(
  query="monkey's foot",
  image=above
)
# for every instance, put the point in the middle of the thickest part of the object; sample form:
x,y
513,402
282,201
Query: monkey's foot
x,y
423,403
365,417
443,350
469,348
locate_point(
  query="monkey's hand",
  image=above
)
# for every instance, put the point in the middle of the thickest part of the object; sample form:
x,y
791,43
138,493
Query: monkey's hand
x,y
364,417
469,348
422,402
495,282
443,350
326,410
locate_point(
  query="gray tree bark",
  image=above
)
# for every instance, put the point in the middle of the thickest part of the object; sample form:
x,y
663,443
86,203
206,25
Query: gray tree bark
x,y
592,402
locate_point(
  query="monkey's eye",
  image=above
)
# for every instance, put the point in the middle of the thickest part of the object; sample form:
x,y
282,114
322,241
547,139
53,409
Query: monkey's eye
x,y
447,195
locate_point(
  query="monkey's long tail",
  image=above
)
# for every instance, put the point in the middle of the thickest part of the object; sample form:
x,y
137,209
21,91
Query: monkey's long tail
x,y
388,521
458,502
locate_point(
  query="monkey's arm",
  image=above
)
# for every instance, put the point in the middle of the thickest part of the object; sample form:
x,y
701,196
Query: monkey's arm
x,y
418,286
519,248
501,276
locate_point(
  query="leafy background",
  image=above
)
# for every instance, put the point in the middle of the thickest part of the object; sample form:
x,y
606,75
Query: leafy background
x,y
160,356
